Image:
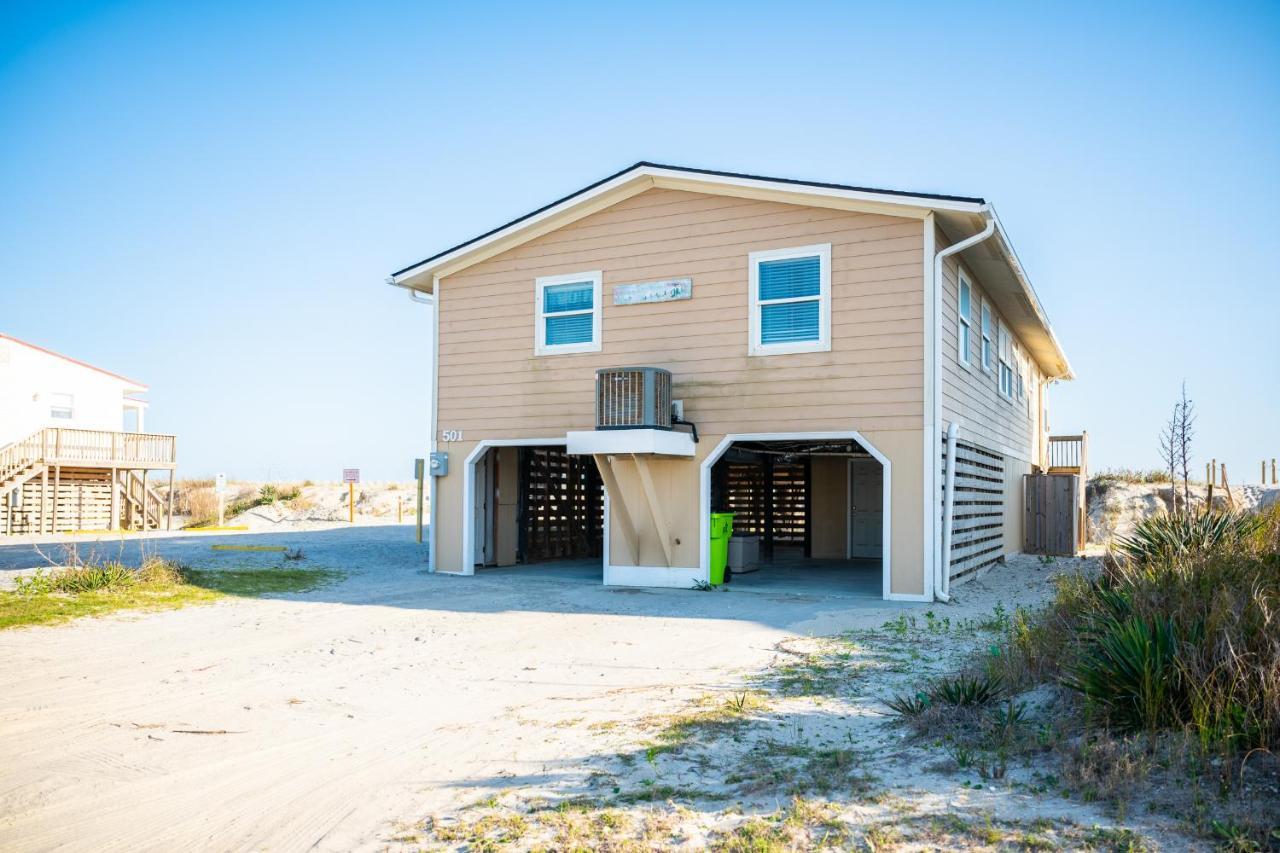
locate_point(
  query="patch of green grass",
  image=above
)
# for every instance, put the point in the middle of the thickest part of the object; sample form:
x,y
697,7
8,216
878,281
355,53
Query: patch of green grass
x,y
95,589
251,583
711,721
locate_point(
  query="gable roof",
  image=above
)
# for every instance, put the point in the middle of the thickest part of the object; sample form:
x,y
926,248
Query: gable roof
x,y
132,384
644,166
994,261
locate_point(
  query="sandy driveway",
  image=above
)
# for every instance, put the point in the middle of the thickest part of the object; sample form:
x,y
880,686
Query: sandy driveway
x,y
392,693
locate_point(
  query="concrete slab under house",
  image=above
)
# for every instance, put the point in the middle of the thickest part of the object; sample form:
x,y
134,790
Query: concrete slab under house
x,y
861,376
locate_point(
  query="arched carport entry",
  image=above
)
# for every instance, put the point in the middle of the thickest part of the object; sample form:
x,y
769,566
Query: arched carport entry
x,y
817,504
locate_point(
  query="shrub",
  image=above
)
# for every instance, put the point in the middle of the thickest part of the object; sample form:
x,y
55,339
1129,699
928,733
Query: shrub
x,y
1171,536
1178,634
966,690
93,575
201,506
1112,476
909,705
1129,668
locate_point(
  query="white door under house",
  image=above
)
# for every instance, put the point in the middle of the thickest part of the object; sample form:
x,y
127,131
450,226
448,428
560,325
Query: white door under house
x,y
536,509
809,513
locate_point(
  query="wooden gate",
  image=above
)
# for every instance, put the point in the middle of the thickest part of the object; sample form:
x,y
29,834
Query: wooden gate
x,y
1054,519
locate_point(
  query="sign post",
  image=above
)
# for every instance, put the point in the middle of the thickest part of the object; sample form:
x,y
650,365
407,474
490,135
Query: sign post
x,y
220,489
351,476
419,473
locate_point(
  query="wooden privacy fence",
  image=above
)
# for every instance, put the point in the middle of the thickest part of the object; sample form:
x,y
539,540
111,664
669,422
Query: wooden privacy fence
x,y
1054,521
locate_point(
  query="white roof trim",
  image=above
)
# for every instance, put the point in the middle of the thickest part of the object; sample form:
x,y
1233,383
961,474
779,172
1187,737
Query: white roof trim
x,y
659,176
644,176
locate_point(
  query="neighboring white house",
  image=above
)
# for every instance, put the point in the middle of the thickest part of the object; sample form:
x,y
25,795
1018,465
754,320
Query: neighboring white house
x,y
41,388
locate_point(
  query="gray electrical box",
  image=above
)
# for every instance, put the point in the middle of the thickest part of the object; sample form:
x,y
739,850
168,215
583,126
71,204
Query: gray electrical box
x,y
439,464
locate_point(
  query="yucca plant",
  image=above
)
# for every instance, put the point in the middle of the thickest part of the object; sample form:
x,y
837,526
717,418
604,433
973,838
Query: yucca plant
x,y
909,705
1130,670
967,690
1170,536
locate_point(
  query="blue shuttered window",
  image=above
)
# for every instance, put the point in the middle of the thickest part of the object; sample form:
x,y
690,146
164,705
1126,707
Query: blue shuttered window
x,y
789,322
568,314
574,329
790,278
789,300
559,298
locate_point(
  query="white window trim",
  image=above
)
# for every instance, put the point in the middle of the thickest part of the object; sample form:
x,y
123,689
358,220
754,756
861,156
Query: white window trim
x,y
964,325
1004,360
70,408
823,343
540,346
987,344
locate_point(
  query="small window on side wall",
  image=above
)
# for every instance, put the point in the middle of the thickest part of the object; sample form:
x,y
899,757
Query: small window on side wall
x,y
988,346
964,341
567,312
62,406
790,300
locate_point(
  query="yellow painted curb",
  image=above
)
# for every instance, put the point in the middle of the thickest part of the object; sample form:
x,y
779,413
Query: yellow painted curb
x,y
248,548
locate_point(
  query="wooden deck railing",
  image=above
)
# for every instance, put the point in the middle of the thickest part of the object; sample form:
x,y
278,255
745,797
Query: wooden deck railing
x,y
91,448
18,455
1068,454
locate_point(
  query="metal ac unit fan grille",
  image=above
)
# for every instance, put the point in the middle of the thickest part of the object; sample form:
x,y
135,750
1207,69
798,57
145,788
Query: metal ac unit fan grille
x,y
633,398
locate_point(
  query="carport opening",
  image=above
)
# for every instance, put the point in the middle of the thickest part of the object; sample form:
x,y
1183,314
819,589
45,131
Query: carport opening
x,y
807,513
538,510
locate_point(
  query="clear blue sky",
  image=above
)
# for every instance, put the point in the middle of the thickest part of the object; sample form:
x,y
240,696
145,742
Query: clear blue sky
x,y
208,196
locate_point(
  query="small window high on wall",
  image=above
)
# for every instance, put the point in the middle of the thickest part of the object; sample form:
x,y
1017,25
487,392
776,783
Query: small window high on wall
x,y
790,300
62,406
567,312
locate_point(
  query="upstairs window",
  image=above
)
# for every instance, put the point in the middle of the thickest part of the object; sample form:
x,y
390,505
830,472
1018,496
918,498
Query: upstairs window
x,y
964,343
567,308
1006,366
790,300
62,406
988,349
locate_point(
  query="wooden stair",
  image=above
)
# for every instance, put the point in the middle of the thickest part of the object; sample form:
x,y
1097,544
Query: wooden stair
x,y
60,480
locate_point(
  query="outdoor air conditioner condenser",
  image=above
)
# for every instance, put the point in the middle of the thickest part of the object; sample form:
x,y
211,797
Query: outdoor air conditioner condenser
x,y
633,398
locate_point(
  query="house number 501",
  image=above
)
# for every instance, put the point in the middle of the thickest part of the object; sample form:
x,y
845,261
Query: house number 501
x,y
451,435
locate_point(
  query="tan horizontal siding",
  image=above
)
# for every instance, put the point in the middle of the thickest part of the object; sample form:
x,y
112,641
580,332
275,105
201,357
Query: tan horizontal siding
x,y
492,386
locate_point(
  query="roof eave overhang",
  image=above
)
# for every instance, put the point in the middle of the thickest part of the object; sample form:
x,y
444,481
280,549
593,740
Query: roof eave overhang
x,y
645,176
997,267
993,261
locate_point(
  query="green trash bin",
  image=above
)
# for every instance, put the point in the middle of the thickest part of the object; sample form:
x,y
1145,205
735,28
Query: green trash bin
x,y
721,530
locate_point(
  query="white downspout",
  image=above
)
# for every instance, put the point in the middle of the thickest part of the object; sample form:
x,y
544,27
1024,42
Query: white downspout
x,y
942,564
948,513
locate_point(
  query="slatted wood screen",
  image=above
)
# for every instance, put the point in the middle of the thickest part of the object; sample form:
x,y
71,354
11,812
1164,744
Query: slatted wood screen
x,y
82,498
769,499
742,493
791,504
1053,514
977,521
561,512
